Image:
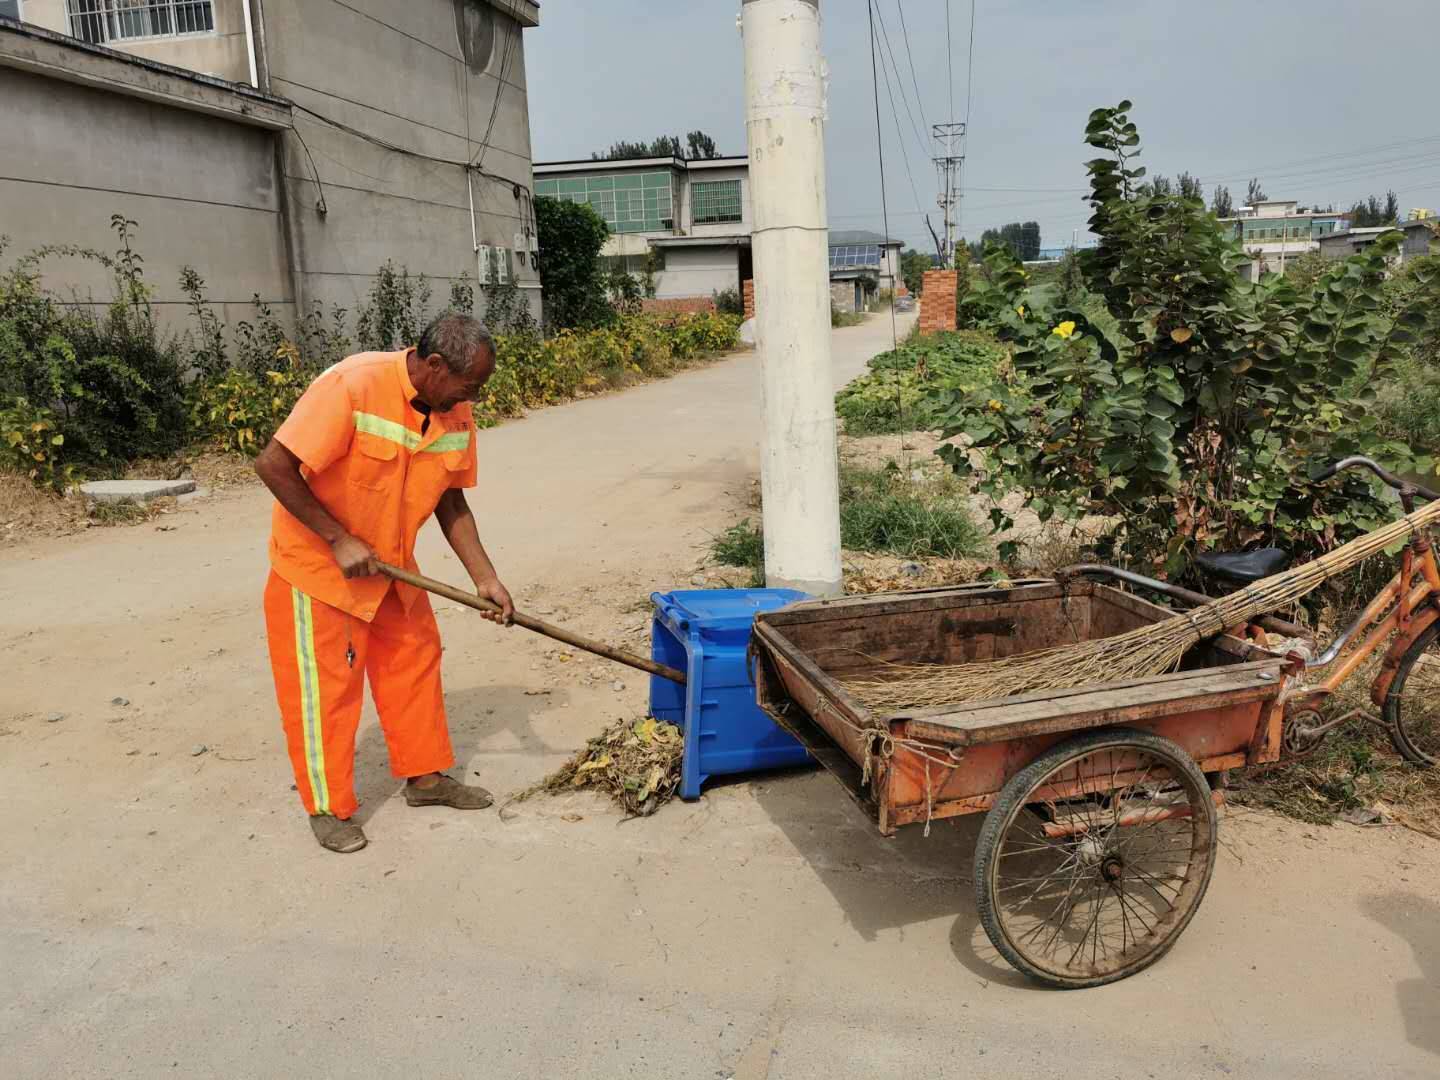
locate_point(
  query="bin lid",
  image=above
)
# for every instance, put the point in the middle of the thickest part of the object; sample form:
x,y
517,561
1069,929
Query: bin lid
x,y
718,610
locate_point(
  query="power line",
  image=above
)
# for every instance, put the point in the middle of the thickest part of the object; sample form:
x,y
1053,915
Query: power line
x,y
880,153
950,57
899,80
513,11
899,130
970,68
910,56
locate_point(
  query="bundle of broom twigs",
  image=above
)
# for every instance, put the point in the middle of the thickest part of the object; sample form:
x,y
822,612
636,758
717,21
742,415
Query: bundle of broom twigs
x,y
1150,650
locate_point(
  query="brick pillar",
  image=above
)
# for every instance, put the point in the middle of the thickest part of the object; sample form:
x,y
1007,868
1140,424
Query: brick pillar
x,y
748,288
937,301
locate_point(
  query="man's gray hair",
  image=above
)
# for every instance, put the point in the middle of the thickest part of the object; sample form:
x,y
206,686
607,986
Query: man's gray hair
x,y
455,337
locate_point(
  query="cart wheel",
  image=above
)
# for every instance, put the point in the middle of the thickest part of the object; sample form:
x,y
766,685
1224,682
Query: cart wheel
x,y
1412,708
1103,888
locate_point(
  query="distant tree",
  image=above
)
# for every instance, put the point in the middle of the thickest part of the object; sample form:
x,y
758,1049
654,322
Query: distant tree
x,y
1254,193
1370,213
913,265
699,145
1222,205
1157,185
1022,238
1189,187
571,236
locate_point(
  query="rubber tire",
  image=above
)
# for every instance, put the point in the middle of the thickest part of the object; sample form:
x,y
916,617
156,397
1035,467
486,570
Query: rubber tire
x,y
1020,785
1393,720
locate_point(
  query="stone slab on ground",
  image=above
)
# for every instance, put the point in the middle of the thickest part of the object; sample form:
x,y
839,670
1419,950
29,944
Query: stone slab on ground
x,y
114,491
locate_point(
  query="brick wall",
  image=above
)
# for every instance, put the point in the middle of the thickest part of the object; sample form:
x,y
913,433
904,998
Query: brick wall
x,y
748,288
678,305
937,301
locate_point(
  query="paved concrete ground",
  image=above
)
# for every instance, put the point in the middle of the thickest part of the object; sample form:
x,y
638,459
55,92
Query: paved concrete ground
x,y
170,914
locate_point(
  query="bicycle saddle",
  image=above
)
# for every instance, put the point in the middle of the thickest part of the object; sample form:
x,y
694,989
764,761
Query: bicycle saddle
x,y
1244,566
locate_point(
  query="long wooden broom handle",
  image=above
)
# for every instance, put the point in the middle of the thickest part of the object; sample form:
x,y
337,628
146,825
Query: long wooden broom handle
x,y
529,622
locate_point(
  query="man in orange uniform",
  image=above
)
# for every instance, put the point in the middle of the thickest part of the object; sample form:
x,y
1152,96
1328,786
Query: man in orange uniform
x,y
377,444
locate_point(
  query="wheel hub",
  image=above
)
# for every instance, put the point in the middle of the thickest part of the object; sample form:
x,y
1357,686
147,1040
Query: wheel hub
x,y
1112,868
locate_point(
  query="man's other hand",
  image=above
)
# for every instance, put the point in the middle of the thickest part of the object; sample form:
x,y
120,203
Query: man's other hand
x,y
355,557
496,593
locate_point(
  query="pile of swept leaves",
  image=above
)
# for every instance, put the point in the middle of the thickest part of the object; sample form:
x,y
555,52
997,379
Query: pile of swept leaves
x,y
636,761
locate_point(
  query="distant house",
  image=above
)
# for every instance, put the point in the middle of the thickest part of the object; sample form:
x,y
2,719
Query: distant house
x,y
1276,231
1419,235
862,263
684,223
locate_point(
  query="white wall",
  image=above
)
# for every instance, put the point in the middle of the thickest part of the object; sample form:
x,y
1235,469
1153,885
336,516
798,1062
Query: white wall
x,y
698,272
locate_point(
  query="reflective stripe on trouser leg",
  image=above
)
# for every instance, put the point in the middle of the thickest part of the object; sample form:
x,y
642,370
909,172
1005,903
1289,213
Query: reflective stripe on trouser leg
x,y
310,700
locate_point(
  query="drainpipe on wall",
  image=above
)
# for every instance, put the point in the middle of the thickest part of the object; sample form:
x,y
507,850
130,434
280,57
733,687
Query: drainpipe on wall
x,y
250,44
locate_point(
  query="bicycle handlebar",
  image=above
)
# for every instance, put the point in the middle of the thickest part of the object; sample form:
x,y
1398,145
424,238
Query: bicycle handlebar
x,y
1385,475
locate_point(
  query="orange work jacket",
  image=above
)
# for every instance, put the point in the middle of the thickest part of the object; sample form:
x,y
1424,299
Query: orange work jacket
x,y
364,456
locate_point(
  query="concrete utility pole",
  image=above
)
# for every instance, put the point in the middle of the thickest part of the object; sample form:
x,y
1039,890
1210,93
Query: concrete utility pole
x,y
785,128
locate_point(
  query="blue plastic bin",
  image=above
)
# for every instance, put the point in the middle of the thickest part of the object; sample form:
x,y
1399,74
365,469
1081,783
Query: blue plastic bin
x,y
705,634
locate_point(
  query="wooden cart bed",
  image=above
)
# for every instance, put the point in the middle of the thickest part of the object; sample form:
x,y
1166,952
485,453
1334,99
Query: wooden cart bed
x,y
1222,706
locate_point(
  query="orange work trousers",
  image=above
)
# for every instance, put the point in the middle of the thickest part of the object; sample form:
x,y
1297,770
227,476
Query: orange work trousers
x,y
320,656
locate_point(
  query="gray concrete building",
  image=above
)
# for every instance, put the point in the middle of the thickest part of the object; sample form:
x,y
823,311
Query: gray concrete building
x,y
284,148
1418,238
862,263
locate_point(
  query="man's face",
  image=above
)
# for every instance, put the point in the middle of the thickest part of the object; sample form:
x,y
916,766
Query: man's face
x,y
444,389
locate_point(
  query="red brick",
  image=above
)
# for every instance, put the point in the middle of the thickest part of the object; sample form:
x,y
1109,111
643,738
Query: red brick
x,y
748,289
678,305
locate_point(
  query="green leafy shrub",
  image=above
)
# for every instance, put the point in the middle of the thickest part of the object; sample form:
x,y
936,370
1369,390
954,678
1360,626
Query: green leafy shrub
x,y
729,302
532,371
571,236
241,409
904,385
397,309
103,385
1164,392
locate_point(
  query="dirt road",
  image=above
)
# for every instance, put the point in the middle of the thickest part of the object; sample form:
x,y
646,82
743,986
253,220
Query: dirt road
x,y
166,911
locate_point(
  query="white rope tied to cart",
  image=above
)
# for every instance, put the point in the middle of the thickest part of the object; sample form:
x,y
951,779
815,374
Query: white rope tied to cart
x,y
880,744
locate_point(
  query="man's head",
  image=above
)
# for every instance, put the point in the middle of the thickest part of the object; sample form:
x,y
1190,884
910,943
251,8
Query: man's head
x,y
454,357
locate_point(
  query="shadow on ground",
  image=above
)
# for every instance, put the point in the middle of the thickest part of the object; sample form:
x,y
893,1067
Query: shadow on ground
x,y
479,717
1413,919
886,884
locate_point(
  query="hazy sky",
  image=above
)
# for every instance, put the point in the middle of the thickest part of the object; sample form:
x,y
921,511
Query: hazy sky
x,y
1324,100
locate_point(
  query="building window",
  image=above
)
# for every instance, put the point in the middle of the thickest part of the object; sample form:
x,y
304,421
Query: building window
x,y
715,202
10,9
102,21
628,202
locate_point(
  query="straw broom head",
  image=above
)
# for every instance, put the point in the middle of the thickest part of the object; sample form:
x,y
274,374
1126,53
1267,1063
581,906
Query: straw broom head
x,y
1149,650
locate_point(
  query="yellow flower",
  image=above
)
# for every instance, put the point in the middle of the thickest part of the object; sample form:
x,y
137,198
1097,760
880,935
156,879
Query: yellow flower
x,y
996,405
1020,311
1065,330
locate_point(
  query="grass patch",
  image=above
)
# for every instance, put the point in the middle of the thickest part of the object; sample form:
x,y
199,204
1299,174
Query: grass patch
x,y
742,545
1355,768
840,318
881,510
125,512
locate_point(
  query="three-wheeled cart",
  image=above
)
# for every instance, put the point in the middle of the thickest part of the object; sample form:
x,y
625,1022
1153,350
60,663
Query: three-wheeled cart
x,y
1101,802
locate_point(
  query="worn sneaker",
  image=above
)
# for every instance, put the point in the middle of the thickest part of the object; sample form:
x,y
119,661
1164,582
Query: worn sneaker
x,y
337,835
449,792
